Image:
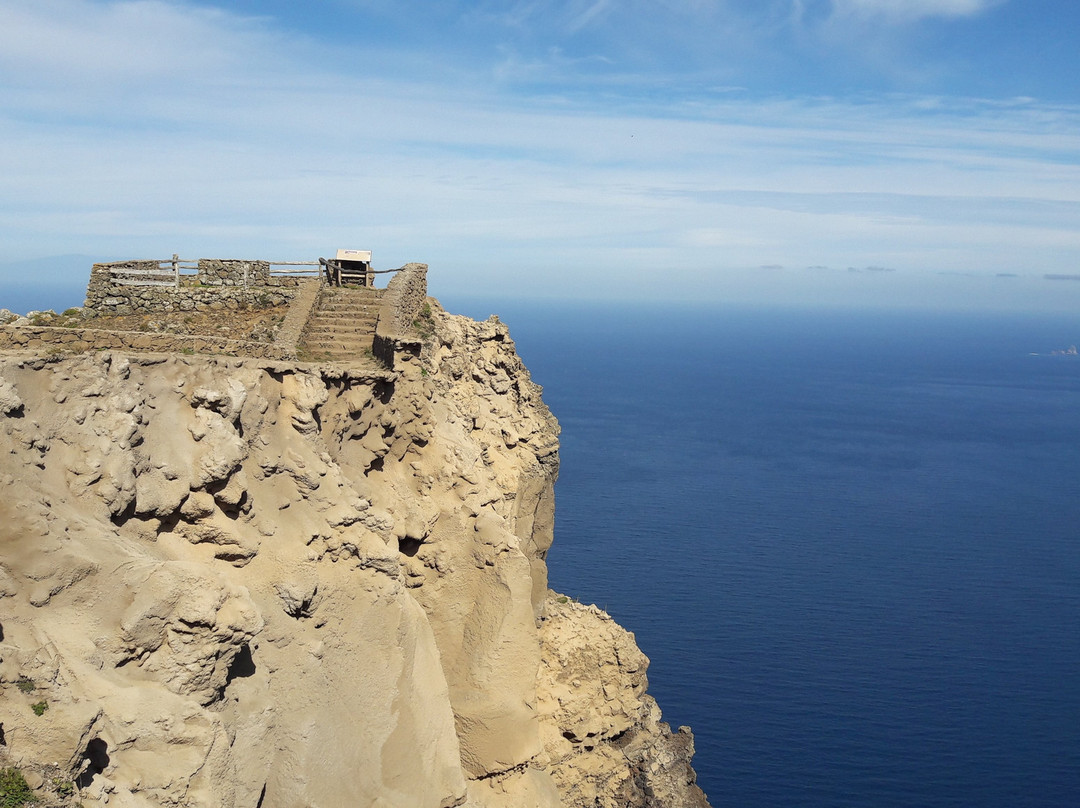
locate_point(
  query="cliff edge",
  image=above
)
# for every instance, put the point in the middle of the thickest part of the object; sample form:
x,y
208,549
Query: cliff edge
x,y
255,583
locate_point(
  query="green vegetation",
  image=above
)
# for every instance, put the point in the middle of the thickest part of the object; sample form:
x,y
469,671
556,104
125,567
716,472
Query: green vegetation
x,y
40,707
424,324
26,685
14,792
62,787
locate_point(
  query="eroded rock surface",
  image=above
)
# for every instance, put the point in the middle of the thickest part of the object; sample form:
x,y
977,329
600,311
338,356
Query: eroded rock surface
x,y
234,583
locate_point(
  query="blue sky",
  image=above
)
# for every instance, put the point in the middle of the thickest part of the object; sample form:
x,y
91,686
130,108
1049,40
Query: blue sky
x,y
767,151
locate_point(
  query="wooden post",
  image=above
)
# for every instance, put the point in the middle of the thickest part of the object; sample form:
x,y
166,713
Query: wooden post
x,y
176,269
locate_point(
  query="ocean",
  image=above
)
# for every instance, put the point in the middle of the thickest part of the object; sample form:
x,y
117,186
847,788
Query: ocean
x,y
848,541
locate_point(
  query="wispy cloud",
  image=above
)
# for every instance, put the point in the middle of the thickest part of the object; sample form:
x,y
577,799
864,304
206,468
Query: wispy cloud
x,y
913,9
134,42
213,133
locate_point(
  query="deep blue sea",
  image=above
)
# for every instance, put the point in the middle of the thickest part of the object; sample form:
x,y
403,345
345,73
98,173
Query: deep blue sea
x,y
849,542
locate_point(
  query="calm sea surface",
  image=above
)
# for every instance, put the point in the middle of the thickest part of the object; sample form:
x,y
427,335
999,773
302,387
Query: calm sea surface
x,y
848,542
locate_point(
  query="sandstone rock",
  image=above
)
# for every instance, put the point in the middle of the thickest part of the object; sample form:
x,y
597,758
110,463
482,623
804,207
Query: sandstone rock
x,y
243,583
604,743
10,403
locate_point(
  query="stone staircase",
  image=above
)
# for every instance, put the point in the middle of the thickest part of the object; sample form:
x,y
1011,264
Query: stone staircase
x,y
342,326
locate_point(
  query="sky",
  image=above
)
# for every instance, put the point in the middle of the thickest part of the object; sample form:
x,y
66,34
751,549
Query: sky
x,y
863,152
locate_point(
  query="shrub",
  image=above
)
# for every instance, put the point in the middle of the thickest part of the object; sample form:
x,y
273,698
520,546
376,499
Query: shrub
x,y
40,707
26,685
14,792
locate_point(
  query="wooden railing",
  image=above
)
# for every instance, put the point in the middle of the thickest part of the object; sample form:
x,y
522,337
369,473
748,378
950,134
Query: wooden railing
x,y
311,268
336,274
152,272
167,272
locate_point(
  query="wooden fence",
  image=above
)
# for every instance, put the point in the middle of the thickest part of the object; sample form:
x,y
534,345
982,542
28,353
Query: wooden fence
x,y
153,272
295,269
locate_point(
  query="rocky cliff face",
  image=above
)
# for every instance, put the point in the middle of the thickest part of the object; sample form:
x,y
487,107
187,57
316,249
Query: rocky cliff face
x,y
230,582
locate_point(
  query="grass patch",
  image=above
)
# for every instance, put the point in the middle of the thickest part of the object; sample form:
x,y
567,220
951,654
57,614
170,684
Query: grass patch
x,y
14,792
425,323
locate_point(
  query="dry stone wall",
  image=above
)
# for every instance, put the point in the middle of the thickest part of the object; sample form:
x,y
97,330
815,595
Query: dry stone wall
x,y
77,340
401,303
219,272
219,286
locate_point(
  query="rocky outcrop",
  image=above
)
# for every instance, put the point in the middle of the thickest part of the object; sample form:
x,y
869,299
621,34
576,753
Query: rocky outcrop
x,y
241,582
604,743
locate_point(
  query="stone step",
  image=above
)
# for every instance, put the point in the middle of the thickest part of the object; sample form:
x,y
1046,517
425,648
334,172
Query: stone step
x,y
341,323
347,314
352,294
348,306
342,309
333,346
342,333
347,323
343,318
342,326
322,336
342,355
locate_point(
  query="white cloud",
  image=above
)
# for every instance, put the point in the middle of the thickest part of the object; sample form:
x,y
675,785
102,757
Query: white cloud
x,y
139,42
581,17
912,9
253,148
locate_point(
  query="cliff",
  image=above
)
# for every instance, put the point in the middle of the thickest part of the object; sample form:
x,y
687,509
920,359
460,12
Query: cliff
x,y
262,583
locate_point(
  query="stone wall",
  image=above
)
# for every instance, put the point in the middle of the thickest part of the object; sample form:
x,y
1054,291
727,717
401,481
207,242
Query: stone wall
x,y
401,303
219,272
77,340
299,313
219,285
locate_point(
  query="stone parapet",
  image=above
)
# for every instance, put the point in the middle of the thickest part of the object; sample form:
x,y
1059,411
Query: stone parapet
x,y
220,285
299,313
401,303
40,338
231,272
